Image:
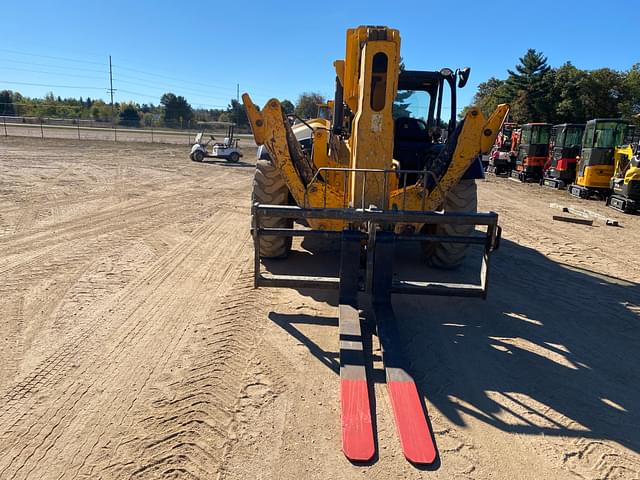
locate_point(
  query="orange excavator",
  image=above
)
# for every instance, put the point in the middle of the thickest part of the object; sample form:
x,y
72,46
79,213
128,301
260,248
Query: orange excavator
x,y
532,152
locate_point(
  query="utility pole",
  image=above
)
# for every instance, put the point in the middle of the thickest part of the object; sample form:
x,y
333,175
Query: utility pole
x,y
113,115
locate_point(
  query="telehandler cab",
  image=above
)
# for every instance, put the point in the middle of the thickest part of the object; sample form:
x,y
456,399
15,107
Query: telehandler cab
x,y
375,183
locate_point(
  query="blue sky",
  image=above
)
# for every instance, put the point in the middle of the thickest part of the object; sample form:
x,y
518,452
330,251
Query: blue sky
x,y
272,48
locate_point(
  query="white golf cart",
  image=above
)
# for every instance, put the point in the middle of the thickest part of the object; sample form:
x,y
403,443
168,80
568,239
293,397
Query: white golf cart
x,y
227,150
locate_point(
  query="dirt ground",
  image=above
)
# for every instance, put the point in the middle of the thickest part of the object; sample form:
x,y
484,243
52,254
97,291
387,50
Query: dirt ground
x,y
132,344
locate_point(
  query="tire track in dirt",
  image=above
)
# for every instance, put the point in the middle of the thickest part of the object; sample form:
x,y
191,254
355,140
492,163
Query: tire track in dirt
x,y
128,221
525,208
11,342
136,341
199,413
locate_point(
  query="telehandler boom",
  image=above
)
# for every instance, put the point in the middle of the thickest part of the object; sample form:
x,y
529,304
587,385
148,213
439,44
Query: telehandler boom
x,y
375,182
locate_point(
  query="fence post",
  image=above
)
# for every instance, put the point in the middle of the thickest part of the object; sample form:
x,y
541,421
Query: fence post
x,y
115,133
78,129
189,137
151,134
4,120
41,130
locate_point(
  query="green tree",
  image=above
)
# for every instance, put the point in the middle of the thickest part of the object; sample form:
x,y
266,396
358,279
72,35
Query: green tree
x,y
129,116
287,107
630,104
566,94
307,105
529,84
100,111
7,108
489,95
177,112
237,114
602,93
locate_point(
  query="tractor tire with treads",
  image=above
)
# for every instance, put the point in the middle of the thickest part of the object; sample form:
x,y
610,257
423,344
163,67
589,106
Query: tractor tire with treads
x,y
463,198
270,188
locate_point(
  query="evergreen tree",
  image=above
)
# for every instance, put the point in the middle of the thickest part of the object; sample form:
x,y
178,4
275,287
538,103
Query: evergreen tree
x,y
7,108
529,84
129,116
177,112
287,106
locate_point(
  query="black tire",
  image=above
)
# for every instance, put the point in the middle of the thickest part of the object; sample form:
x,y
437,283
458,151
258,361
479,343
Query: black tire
x,y
462,198
198,156
234,157
270,188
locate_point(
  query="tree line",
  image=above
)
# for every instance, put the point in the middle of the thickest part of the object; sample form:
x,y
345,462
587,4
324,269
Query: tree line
x,y
173,111
567,94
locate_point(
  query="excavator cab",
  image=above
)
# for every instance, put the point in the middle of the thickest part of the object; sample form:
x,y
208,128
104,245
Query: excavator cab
x,y
532,152
596,162
625,182
502,155
564,148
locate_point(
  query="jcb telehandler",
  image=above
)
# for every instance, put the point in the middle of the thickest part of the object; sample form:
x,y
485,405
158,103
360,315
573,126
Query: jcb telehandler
x,y
375,183
595,164
625,183
532,152
564,148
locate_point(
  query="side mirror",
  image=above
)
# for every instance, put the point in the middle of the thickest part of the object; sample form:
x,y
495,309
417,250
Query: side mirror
x,y
463,76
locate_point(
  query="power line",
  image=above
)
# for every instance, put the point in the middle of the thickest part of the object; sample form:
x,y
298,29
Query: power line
x,y
51,86
52,73
226,89
174,78
72,75
12,60
207,85
49,56
156,85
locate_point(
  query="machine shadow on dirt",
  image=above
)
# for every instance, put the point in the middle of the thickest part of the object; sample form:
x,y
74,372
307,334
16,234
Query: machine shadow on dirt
x,y
558,343
239,164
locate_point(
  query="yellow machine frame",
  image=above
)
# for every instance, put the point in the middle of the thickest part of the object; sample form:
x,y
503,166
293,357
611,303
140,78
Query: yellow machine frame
x,y
369,76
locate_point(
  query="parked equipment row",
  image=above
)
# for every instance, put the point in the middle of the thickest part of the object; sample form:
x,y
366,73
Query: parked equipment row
x,y
596,160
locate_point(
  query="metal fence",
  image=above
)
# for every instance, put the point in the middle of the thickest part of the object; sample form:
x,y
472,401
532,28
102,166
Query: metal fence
x,y
80,129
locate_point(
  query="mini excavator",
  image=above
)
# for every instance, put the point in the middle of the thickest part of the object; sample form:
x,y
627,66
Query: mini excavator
x,y
625,183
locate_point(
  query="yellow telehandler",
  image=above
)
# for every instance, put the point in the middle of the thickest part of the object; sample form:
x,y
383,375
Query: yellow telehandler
x,y
375,178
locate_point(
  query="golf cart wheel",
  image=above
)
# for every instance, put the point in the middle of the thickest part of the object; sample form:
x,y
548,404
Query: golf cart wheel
x,y
463,198
198,156
234,157
270,188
